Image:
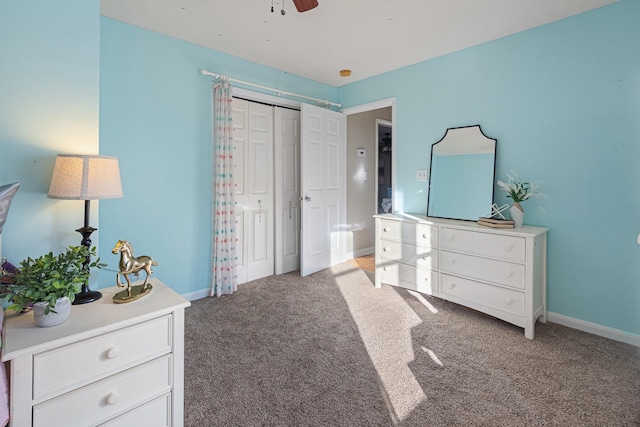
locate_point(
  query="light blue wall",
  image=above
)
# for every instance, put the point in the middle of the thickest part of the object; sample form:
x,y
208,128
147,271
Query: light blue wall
x,y
563,101
49,100
155,115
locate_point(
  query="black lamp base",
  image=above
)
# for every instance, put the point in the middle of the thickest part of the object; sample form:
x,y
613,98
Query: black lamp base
x,y
86,296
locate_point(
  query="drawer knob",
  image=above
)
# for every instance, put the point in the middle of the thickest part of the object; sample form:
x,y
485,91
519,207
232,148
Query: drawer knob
x,y
508,248
113,352
384,268
451,285
385,249
385,229
451,261
424,236
451,238
508,301
508,273
113,398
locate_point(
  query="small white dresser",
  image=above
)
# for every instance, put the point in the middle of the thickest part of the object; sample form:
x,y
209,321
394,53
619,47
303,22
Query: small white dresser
x,y
108,364
501,272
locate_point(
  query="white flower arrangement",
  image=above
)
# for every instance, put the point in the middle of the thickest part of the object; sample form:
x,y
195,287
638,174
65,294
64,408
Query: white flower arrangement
x,y
517,190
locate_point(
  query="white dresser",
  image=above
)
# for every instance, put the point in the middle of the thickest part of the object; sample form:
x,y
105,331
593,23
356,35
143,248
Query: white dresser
x,y
501,272
108,364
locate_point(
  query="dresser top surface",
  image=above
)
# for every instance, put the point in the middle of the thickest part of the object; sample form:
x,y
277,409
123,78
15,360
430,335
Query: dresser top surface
x,y
21,335
526,230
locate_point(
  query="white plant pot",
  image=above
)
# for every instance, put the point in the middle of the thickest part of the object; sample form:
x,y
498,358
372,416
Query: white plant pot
x,y
517,215
62,308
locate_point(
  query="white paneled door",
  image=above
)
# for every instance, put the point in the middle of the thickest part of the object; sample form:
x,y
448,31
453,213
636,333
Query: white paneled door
x,y
287,189
323,159
253,173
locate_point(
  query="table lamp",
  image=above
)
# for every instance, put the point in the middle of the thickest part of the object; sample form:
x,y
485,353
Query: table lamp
x,y
85,177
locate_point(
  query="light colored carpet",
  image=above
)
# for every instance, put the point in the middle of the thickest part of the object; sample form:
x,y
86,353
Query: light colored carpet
x,y
331,350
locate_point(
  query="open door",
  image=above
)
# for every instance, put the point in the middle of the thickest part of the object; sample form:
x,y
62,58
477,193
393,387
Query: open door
x,y
323,183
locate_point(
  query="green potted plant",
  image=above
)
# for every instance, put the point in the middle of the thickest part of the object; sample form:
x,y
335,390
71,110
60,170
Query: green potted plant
x,y
50,283
518,191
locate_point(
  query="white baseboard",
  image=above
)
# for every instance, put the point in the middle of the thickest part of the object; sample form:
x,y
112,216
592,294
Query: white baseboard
x,y
192,296
360,252
203,293
593,328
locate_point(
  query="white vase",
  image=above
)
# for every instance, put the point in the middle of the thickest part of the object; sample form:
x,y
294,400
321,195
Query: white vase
x,y
517,214
62,308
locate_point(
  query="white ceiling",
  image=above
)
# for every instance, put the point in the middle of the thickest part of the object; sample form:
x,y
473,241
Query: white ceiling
x,y
369,37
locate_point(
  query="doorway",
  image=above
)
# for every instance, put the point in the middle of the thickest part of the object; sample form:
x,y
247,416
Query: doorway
x,y
362,172
384,184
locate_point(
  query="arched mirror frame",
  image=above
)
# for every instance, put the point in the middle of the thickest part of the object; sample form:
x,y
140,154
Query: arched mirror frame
x,y
462,174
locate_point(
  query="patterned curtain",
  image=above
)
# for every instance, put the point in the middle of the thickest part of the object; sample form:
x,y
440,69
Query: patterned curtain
x,y
225,278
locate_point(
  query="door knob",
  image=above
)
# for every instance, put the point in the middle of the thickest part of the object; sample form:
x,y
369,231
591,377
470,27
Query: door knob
x,y
307,198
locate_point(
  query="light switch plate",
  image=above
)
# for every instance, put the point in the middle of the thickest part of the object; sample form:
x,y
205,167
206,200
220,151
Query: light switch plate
x,y
423,175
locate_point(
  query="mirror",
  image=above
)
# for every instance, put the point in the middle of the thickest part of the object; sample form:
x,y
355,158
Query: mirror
x,y
462,174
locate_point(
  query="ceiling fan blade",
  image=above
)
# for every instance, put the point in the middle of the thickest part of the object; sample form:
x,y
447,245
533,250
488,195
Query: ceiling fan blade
x,y
305,5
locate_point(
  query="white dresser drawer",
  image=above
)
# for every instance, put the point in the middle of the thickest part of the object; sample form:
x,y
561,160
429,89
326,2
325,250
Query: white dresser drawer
x,y
508,248
156,413
490,270
419,279
390,229
408,232
104,399
69,366
422,235
407,253
390,249
507,300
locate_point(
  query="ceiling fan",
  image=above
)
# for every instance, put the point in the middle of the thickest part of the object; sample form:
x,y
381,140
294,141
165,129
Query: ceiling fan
x,y
301,5
304,5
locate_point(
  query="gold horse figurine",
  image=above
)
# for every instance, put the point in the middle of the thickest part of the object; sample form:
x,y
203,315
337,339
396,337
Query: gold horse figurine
x,y
128,265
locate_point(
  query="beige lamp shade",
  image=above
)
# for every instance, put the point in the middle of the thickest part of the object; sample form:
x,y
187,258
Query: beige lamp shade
x,y
85,177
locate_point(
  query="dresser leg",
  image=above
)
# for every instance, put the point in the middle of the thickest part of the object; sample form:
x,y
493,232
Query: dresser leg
x,y
529,329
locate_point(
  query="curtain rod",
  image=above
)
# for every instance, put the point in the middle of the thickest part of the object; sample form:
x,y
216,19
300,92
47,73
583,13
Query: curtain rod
x,y
277,91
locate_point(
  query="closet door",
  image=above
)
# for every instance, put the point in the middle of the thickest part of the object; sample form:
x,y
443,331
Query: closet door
x,y
253,156
287,189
